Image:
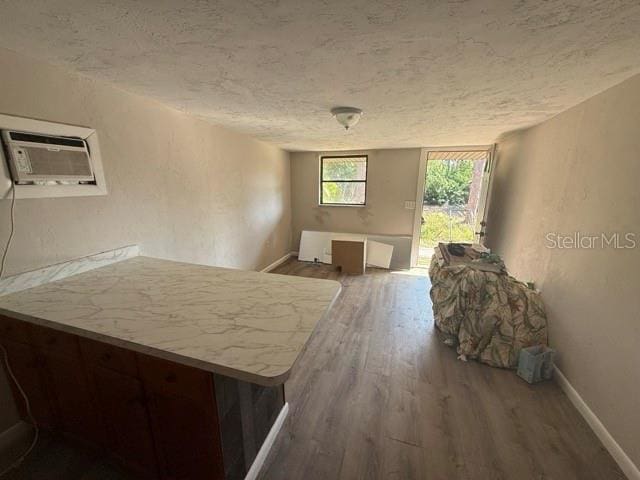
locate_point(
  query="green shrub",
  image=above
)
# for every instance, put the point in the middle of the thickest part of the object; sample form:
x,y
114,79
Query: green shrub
x,y
448,181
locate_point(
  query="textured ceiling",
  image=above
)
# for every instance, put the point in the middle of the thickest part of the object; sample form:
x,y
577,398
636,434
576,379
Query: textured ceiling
x,y
425,73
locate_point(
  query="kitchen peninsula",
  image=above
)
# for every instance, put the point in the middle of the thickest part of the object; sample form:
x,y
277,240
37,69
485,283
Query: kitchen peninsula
x,y
176,369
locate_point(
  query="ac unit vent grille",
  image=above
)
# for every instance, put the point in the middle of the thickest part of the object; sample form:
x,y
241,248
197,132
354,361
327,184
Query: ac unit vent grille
x,y
35,158
63,162
45,139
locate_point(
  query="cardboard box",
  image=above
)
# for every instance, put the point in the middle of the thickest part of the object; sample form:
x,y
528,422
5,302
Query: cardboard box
x,y
349,256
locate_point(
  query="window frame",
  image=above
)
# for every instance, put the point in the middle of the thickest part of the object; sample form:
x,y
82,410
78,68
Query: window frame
x,y
321,201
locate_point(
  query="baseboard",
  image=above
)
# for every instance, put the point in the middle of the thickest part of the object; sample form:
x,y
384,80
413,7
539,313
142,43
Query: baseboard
x,y
616,451
280,261
258,463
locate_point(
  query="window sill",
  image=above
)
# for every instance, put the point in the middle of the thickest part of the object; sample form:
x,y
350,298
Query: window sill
x,y
341,205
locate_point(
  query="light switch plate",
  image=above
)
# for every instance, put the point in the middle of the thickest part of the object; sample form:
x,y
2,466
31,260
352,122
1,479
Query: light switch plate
x,y
410,205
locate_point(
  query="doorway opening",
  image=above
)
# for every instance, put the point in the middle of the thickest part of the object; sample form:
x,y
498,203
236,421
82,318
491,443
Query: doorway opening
x,y
453,199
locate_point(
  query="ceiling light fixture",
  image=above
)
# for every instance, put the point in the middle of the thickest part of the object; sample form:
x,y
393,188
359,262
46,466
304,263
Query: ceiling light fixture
x,y
346,116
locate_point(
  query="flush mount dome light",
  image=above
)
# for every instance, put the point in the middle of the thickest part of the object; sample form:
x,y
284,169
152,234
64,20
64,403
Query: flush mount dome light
x,y
347,116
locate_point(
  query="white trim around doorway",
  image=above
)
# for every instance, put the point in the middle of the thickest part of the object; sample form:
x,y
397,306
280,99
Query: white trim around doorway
x,y
422,171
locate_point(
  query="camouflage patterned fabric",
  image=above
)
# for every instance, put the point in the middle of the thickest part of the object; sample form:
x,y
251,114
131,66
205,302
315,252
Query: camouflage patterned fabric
x,y
489,316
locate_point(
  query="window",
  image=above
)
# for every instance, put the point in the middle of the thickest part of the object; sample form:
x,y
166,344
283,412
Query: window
x,y
343,180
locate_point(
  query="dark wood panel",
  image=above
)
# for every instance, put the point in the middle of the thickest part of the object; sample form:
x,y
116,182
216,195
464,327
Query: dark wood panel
x,y
246,412
61,458
230,420
108,356
26,367
265,404
68,385
184,419
172,378
55,342
123,408
186,437
13,330
159,418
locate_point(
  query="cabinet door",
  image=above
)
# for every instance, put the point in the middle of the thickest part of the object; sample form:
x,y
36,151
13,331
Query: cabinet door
x,y
184,419
122,403
186,435
68,384
25,366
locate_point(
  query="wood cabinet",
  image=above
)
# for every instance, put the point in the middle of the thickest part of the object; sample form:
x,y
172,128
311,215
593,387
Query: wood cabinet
x,y
121,400
13,330
25,365
159,418
188,444
74,407
123,407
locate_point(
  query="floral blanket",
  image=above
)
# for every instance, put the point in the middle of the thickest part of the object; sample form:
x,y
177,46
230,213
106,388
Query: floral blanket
x,y
489,316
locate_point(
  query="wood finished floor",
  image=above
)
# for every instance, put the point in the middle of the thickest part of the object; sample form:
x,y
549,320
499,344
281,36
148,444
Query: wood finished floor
x,y
376,395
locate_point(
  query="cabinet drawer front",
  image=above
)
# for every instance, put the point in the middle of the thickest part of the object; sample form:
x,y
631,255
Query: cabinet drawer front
x,y
164,376
108,356
55,342
13,330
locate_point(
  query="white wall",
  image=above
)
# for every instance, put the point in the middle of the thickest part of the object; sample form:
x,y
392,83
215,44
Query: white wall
x,y
578,172
178,186
392,179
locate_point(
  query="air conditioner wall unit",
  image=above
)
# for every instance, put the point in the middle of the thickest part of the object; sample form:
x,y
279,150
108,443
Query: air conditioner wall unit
x,y
47,159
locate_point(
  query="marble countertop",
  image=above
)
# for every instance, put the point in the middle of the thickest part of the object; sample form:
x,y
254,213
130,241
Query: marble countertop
x,y
247,325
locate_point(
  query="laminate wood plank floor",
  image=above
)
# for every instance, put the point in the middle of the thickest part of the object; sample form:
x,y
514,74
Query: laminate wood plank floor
x,y
376,395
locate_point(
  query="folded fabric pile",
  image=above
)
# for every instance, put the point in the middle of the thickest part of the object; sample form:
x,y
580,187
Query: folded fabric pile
x,y
487,314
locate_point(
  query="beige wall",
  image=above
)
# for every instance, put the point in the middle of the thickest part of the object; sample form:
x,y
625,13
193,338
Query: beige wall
x,y
179,187
579,172
392,179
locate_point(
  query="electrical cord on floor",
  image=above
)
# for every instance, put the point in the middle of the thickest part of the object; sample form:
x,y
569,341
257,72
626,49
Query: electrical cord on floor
x,y
13,227
5,355
36,434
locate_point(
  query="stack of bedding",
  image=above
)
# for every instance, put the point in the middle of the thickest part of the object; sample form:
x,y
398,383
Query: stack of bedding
x,y
480,309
